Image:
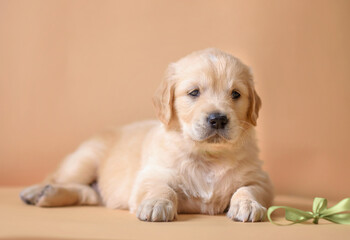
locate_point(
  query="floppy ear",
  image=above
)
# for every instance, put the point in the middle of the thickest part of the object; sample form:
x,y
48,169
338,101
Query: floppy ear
x,y
163,99
254,105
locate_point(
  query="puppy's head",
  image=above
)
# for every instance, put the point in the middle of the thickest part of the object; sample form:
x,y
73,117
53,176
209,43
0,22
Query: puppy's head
x,y
209,95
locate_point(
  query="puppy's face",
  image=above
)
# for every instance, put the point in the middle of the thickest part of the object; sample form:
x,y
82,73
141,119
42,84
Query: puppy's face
x,y
210,95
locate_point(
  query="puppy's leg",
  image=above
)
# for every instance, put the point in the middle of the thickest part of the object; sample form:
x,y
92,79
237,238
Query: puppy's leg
x,y
249,203
69,185
152,198
81,165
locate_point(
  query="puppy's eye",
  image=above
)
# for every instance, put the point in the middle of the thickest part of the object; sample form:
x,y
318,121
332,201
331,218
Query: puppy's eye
x,y
235,94
194,93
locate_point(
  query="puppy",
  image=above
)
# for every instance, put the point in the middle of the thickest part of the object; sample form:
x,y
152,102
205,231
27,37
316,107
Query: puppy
x,y
201,157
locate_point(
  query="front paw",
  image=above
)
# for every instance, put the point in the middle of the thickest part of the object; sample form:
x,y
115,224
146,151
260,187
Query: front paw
x,y
246,210
156,210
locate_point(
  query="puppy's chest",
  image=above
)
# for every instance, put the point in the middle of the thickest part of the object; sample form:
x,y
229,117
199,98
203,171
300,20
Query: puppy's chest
x,y
205,183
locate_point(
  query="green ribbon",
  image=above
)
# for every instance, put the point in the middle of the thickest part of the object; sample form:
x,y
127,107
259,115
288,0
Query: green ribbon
x,y
334,214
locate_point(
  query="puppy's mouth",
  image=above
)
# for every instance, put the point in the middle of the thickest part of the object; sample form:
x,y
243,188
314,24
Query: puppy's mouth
x,y
205,134
216,137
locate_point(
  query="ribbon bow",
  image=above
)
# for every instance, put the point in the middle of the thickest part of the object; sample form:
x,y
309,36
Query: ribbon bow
x,y
334,214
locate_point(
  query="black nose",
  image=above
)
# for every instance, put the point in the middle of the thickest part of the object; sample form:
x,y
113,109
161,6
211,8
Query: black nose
x,y
217,120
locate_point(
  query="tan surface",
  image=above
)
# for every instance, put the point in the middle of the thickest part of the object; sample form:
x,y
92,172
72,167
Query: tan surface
x,y
21,221
70,68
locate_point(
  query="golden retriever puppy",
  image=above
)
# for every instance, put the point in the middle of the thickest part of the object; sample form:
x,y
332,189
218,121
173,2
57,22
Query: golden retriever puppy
x,y
201,157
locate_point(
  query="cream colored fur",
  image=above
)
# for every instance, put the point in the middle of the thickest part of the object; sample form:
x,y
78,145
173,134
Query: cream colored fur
x,y
157,169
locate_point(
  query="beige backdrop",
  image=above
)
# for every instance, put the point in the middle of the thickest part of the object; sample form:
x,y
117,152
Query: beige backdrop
x,y
70,68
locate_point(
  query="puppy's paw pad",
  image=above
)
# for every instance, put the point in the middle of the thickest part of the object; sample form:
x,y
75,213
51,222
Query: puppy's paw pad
x,y
30,195
156,210
246,210
38,195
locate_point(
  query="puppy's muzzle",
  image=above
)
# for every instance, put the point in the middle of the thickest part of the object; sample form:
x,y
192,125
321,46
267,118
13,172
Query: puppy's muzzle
x,y
217,120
